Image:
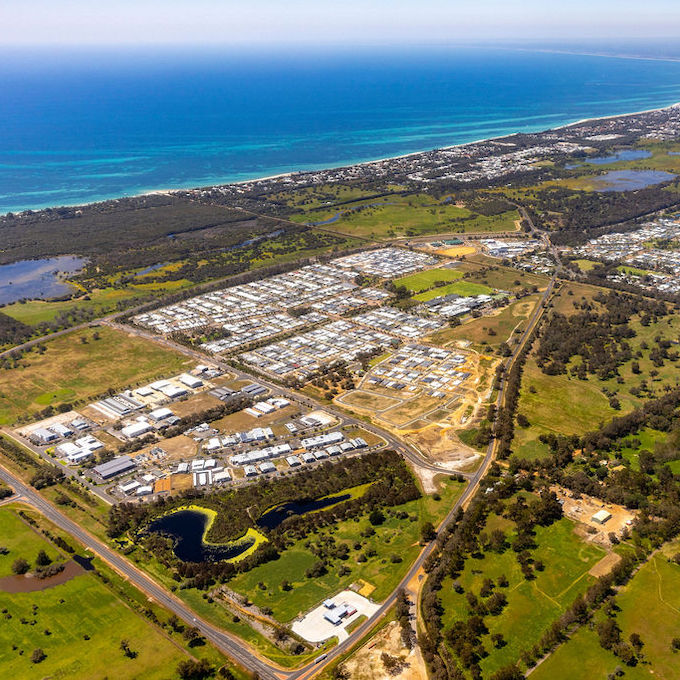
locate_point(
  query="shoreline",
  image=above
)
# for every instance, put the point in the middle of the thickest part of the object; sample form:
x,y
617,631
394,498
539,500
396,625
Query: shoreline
x,y
205,187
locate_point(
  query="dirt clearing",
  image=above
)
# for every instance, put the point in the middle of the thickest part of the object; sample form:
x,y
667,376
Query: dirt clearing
x,y
368,664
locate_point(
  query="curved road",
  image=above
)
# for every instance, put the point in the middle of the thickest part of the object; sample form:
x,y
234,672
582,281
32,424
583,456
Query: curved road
x,y
230,645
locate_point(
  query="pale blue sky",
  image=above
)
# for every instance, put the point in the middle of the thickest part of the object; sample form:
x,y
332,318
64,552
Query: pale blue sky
x,y
228,22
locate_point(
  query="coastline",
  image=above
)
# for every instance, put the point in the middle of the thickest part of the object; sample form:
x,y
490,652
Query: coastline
x,y
331,168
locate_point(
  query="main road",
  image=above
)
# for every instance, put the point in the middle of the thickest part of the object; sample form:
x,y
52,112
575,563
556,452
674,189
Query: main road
x,y
342,416
232,646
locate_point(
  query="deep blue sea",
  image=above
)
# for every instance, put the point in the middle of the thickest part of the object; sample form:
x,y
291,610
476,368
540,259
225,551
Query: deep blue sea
x,y
83,126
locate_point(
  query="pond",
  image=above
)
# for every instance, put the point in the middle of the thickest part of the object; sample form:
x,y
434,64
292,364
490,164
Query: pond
x,y
188,528
273,517
630,180
622,155
37,279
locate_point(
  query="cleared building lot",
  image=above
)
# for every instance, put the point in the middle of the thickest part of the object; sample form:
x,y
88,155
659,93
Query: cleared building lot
x,y
314,627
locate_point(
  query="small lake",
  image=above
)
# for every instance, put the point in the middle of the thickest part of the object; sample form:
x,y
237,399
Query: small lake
x,y
272,518
630,180
37,279
623,155
187,528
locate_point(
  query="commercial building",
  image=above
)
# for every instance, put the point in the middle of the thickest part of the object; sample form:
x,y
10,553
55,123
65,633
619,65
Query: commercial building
x,y
115,467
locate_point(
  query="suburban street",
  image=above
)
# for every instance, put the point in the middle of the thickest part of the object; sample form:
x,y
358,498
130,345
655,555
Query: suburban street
x,y
230,645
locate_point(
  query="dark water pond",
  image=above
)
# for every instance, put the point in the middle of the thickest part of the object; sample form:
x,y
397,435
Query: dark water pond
x,y
36,278
151,268
630,180
187,528
272,518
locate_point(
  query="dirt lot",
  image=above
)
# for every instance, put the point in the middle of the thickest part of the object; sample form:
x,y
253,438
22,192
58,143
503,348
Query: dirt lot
x,y
605,565
367,663
242,421
442,445
583,509
410,410
177,448
367,401
194,404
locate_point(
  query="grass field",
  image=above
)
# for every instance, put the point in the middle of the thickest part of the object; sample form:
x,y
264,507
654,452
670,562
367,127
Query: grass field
x,y
575,406
500,278
581,405
650,606
71,370
490,330
21,541
101,301
463,288
586,265
394,537
532,605
414,215
81,607
424,280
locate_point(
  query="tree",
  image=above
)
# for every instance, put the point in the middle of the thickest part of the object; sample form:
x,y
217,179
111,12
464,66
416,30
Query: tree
x,y
38,655
194,670
427,532
125,648
637,642
43,559
508,673
20,566
193,636
376,517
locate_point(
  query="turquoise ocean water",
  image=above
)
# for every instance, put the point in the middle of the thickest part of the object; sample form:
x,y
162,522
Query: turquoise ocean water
x,y
85,126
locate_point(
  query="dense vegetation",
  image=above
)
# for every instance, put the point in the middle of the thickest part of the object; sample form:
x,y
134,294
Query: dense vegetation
x,y
598,337
391,483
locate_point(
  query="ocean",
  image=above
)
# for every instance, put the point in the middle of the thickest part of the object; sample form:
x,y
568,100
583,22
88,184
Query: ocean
x,y
82,126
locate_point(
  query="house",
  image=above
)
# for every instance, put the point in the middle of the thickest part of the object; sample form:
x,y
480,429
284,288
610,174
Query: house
x,y
190,381
79,424
174,391
129,487
250,470
267,467
160,414
61,430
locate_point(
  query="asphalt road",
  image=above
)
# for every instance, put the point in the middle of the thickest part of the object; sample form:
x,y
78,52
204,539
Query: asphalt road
x,y
231,646
345,418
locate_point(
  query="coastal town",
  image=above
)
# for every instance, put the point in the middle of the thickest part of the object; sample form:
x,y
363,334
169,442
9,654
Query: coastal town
x,y
349,416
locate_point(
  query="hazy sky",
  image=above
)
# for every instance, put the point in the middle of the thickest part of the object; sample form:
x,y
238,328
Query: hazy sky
x,y
231,22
